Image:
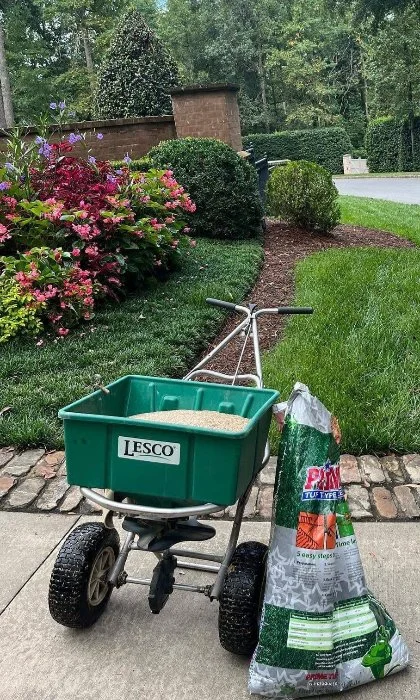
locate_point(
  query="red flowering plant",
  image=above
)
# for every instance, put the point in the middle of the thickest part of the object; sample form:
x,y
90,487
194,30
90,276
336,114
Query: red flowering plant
x,y
73,229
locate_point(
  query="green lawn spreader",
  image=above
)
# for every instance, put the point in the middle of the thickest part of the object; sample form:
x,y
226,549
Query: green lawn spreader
x,y
162,479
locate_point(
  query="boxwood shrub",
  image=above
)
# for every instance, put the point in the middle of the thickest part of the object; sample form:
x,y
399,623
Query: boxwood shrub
x,y
304,195
221,183
325,147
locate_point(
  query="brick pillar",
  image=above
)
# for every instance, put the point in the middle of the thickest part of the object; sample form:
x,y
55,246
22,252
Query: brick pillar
x,y
208,111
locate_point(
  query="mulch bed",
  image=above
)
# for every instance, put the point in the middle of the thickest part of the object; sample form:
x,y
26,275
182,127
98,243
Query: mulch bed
x,y
283,248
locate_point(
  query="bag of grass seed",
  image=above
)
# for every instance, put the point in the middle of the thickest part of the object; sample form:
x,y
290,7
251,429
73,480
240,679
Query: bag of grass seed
x,y
321,631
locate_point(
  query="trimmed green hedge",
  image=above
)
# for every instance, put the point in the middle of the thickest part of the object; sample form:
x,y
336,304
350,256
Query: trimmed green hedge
x,y
389,148
325,147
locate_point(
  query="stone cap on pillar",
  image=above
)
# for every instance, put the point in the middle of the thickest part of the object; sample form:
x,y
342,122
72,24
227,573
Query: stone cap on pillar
x,y
202,87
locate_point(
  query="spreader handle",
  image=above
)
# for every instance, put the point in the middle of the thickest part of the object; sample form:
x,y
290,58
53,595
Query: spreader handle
x,y
295,310
223,304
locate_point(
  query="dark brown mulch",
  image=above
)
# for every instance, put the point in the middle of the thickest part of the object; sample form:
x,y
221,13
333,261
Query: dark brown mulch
x,y
283,248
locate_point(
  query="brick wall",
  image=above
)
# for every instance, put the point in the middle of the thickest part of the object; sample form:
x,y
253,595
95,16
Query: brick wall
x,y
210,110
204,111
134,136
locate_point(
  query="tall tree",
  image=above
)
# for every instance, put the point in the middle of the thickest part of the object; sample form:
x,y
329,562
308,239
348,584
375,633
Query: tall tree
x,y
6,92
393,66
137,72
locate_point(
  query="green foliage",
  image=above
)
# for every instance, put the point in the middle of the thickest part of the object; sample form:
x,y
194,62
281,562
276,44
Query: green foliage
x,y
137,73
139,165
359,351
221,183
325,147
393,146
359,153
304,194
17,311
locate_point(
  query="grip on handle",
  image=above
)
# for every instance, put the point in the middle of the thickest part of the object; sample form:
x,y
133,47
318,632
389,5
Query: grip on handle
x,y
223,304
295,310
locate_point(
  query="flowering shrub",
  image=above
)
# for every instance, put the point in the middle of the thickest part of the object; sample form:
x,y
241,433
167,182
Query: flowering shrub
x,y
73,230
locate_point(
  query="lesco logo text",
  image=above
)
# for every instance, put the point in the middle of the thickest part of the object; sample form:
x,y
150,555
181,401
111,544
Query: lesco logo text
x,y
323,483
149,450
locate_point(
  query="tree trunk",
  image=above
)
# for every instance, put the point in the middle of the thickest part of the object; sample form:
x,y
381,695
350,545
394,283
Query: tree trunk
x,y
88,57
5,83
3,124
365,85
263,88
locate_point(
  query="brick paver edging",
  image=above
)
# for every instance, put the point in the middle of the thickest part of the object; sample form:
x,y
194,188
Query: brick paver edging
x,y
386,488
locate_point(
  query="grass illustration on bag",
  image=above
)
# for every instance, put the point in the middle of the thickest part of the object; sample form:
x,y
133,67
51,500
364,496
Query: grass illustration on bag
x,y
321,631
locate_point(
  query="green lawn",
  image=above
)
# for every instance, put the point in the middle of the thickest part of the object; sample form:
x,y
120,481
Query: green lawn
x,y
158,332
359,352
402,219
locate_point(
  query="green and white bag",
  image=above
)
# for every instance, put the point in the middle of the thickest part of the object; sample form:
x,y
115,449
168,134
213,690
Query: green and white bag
x,y
321,631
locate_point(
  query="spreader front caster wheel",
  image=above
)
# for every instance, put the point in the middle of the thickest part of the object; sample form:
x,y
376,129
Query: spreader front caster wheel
x,y
79,589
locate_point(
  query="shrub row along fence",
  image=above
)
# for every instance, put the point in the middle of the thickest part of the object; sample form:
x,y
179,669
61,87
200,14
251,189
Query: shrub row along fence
x,y
325,147
393,146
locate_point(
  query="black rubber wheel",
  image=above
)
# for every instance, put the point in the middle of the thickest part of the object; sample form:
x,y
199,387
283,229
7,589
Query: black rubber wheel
x,y
79,591
241,599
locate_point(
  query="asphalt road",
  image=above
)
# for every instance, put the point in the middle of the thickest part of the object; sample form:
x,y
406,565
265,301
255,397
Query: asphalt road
x,y
131,653
395,189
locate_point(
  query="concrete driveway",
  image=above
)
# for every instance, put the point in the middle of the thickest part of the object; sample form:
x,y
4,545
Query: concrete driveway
x,y
395,189
131,653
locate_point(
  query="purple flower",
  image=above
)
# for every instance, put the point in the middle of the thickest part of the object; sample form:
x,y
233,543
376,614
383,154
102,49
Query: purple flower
x,y
62,105
9,166
4,185
92,159
119,172
74,138
45,150
99,136
110,178
127,159
39,139
53,105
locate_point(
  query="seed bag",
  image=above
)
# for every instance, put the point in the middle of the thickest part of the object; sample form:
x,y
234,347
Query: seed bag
x,y
322,631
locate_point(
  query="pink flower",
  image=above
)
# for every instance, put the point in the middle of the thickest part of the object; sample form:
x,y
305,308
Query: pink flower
x,y
4,236
92,251
187,229
39,343
75,252
139,234
63,331
169,220
3,229
57,255
84,231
